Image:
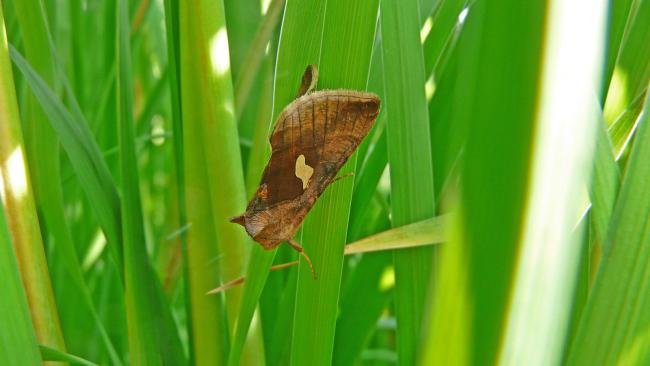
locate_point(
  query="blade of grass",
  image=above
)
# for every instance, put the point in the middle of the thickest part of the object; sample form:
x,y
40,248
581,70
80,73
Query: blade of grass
x,y
253,59
214,181
367,286
84,154
346,50
173,58
605,185
544,280
45,162
496,77
299,46
616,318
623,128
147,311
619,12
17,338
409,157
18,199
632,70
425,232
443,30
51,354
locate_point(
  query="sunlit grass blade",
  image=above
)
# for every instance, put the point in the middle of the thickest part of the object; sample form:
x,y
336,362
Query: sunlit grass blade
x,y
299,47
616,318
214,174
45,164
146,306
17,339
19,205
561,163
345,54
494,107
419,233
411,170
84,154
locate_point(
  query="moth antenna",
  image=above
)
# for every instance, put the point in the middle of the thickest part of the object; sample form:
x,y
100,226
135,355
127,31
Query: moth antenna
x,y
298,248
238,220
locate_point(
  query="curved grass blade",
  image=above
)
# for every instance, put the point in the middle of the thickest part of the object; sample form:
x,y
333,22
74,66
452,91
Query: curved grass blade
x,y
84,154
51,354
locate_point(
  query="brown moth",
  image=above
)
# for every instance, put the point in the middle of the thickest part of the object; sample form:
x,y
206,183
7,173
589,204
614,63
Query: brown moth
x,y
312,139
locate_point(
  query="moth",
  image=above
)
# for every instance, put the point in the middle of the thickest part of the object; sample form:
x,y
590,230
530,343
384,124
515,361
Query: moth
x,y
312,139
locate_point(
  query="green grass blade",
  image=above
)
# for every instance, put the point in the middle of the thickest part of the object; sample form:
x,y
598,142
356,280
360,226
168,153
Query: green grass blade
x,y
616,319
419,233
409,156
17,338
347,39
153,338
19,202
299,47
251,62
443,30
51,354
623,128
365,287
619,12
605,185
632,71
214,174
495,87
84,154
565,126
45,164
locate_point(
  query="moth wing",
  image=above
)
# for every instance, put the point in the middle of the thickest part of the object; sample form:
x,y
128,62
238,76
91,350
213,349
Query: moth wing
x,y
324,127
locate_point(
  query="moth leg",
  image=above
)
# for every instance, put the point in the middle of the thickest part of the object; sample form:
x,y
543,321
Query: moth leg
x,y
296,246
350,174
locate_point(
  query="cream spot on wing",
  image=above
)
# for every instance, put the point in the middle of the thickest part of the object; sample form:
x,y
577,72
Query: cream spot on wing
x,y
303,171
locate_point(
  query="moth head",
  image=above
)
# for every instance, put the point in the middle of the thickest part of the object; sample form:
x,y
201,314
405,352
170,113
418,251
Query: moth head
x,y
253,222
241,220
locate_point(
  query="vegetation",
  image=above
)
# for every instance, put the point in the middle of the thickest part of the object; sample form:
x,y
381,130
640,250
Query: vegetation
x,y
498,212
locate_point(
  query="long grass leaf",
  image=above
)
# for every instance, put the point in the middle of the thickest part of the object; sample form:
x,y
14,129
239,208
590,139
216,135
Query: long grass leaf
x,y
411,170
147,310
19,202
346,49
17,338
561,162
299,46
84,154
489,105
616,317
